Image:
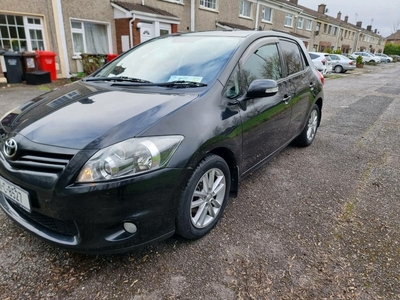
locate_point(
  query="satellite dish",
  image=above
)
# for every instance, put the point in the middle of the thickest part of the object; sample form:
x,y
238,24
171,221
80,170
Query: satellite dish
x,y
326,10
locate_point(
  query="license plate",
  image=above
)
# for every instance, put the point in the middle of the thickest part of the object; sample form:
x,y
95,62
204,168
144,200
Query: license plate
x,y
15,194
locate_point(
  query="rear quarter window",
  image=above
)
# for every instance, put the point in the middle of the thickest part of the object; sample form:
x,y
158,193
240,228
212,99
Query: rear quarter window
x,y
313,56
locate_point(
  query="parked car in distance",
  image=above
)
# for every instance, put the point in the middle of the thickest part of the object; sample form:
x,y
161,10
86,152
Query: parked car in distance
x,y
396,57
366,56
341,63
155,142
322,62
384,57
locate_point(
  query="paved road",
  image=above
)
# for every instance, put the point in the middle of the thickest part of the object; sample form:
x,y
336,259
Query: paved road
x,y
320,222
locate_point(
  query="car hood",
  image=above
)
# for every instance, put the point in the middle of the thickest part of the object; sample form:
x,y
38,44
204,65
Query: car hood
x,y
85,116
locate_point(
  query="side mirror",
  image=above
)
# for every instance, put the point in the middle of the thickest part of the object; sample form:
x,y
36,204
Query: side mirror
x,y
260,88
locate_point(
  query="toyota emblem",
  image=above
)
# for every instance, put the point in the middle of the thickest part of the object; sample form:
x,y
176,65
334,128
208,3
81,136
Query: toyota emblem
x,y
10,148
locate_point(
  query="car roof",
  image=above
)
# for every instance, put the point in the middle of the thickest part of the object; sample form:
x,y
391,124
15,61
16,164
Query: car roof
x,y
239,33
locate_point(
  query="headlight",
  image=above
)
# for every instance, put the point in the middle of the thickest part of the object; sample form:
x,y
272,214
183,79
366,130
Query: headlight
x,y
130,157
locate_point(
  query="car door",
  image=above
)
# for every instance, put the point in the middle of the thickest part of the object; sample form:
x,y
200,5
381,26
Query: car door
x,y
264,120
300,82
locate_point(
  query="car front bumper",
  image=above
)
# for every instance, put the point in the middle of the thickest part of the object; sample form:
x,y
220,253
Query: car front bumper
x,y
90,218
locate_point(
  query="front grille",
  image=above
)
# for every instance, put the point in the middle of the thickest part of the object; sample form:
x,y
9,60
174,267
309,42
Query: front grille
x,y
41,161
58,226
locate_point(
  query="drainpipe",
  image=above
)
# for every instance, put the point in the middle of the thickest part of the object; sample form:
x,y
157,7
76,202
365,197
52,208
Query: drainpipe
x,y
192,15
257,14
130,30
61,40
142,2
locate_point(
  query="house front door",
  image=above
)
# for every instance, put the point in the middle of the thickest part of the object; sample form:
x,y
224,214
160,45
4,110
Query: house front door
x,y
146,32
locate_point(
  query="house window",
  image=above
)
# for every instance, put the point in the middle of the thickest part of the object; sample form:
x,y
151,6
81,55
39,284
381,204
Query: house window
x,y
308,24
335,31
209,4
325,27
245,8
21,33
89,37
267,14
330,29
300,23
318,26
289,20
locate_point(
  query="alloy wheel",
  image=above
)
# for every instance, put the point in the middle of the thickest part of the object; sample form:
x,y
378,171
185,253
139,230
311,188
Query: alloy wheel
x,y
312,125
207,198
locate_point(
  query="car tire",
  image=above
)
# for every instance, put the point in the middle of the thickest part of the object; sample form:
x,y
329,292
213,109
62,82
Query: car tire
x,y
204,198
338,69
307,136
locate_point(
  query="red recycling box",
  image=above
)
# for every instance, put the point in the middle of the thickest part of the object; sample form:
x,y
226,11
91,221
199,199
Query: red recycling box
x,y
111,56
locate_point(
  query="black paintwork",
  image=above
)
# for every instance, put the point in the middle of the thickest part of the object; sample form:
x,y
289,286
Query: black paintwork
x,y
81,118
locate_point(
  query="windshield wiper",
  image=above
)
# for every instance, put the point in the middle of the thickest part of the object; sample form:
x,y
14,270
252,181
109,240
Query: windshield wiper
x,y
172,84
118,78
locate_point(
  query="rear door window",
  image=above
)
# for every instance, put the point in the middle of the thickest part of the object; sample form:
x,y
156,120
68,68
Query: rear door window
x,y
292,56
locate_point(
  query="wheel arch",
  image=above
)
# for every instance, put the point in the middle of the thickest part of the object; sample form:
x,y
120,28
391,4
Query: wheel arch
x,y
231,160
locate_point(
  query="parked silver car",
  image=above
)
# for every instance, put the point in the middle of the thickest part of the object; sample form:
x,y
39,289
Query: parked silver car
x,y
384,57
341,63
322,61
366,56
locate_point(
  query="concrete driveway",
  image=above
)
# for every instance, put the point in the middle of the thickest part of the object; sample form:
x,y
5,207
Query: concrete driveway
x,y
315,223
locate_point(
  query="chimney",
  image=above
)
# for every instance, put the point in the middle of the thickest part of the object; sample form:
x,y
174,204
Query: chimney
x,y
321,8
339,15
369,27
359,24
294,2
346,19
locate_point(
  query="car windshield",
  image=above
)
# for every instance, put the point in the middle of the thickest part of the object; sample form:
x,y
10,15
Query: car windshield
x,y
196,59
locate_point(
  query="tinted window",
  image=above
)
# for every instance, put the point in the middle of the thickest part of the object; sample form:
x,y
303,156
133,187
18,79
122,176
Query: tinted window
x,y
264,63
292,57
313,56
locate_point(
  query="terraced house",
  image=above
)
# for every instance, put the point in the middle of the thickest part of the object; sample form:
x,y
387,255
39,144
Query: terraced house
x,y
70,28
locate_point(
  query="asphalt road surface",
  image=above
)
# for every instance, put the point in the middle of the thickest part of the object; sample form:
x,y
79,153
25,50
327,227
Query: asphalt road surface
x,y
314,223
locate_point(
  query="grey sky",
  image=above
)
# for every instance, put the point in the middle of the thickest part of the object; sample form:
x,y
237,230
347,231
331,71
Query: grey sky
x,y
385,13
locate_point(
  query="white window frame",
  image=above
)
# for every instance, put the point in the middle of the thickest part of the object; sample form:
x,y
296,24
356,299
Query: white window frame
x,y
82,31
309,24
289,20
242,8
209,4
300,22
27,28
270,14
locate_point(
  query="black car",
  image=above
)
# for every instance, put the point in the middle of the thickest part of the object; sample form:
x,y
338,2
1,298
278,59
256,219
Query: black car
x,y
156,141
